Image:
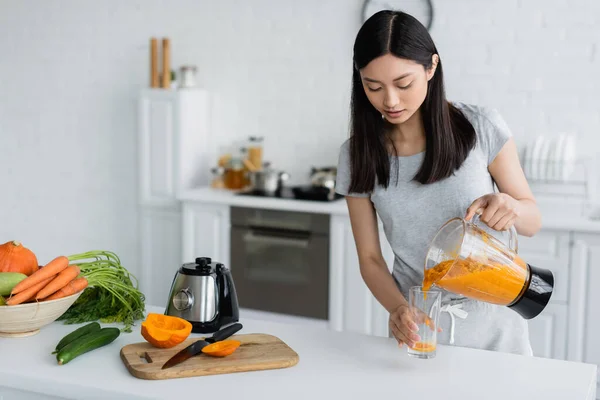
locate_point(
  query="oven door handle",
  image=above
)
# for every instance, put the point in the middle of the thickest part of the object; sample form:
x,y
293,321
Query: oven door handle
x,y
251,237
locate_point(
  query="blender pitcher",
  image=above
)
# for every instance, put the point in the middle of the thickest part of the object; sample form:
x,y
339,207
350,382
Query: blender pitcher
x,y
466,260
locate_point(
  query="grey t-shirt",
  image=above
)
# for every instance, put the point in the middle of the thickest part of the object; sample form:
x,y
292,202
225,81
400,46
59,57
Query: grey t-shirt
x,y
412,213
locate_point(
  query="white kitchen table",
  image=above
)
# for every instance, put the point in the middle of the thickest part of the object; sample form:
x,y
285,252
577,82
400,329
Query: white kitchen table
x,y
332,365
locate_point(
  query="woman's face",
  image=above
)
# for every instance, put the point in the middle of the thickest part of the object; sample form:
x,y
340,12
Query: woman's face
x,y
396,87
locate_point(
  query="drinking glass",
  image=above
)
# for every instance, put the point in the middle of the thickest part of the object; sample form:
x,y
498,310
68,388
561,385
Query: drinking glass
x,y
425,308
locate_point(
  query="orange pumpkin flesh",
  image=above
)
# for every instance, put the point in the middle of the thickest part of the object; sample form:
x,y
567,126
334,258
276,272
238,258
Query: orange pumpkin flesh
x,y
165,331
14,257
222,348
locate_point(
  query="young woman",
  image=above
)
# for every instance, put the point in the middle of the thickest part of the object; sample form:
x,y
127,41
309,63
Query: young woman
x,y
417,160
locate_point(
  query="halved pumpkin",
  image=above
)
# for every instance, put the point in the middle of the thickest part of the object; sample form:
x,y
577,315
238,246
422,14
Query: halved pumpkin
x,y
165,331
222,348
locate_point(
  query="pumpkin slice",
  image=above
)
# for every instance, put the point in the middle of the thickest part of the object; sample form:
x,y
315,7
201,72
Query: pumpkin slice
x,y
165,331
222,348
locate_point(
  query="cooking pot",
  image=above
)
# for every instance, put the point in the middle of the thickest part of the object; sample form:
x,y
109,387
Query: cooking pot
x,y
267,180
324,178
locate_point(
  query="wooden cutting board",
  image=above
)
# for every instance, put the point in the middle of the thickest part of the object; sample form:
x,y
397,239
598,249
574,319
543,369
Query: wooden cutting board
x,y
257,352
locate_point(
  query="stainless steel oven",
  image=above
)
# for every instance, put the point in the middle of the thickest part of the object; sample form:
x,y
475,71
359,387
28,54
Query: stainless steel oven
x,y
280,261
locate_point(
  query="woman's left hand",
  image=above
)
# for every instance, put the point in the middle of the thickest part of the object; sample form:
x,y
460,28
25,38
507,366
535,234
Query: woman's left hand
x,y
499,211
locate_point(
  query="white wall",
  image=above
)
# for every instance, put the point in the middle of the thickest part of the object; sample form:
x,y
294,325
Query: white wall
x,y
70,71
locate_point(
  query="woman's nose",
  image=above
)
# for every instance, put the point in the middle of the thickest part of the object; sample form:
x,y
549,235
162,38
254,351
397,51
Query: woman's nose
x,y
390,100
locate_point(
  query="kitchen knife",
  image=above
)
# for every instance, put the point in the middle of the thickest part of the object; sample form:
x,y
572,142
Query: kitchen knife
x,y
196,347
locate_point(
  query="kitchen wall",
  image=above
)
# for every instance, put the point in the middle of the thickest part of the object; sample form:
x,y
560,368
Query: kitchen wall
x,y
281,69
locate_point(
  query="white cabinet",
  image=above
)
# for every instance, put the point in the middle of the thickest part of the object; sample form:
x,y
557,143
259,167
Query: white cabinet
x,y
551,249
157,143
206,229
161,252
586,346
352,305
548,332
174,154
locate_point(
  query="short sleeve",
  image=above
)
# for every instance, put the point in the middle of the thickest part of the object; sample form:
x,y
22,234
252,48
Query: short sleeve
x,y
494,133
343,176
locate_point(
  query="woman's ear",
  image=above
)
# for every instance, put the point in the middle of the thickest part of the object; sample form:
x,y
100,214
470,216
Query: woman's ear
x,y
434,62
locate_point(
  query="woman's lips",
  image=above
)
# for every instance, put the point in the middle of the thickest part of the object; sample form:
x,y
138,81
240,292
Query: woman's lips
x,y
394,114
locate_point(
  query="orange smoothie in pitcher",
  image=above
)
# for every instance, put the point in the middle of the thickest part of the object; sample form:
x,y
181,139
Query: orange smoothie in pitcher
x,y
490,281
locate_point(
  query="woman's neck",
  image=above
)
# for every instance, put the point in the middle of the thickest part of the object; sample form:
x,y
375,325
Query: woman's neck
x,y
409,137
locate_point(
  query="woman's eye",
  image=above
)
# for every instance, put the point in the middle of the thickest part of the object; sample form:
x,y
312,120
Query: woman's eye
x,y
373,89
405,87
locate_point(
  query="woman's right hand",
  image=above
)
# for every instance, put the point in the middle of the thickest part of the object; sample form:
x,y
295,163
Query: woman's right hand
x,y
403,326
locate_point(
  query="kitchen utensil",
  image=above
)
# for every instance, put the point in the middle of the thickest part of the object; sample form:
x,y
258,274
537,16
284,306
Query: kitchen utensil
x,y
257,352
166,63
324,178
568,156
536,163
154,63
187,76
315,193
268,180
557,165
28,318
466,260
425,308
544,160
204,294
196,347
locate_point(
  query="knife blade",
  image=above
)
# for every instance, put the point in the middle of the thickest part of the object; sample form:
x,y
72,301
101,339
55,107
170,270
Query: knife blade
x,y
196,347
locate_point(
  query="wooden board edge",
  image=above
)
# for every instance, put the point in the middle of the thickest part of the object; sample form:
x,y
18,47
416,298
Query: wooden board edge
x,y
132,371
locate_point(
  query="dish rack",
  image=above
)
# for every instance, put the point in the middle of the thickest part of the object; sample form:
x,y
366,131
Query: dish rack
x,y
577,185
557,175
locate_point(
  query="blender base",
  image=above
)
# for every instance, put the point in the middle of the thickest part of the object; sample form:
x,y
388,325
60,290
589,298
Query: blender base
x,y
536,296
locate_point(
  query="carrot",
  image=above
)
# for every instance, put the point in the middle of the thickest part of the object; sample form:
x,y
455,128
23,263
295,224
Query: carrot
x,y
51,269
62,279
28,293
71,288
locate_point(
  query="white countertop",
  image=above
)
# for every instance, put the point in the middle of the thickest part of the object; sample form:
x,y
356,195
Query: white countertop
x,y
224,196
332,365
554,217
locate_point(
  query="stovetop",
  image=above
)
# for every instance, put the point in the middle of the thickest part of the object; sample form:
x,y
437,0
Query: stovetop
x,y
302,192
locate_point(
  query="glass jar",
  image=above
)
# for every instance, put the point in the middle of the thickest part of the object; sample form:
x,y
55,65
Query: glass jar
x,y
255,151
187,76
234,176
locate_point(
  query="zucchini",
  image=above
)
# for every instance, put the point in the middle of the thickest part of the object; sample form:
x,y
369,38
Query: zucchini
x,y
79,332
86,343
8,280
